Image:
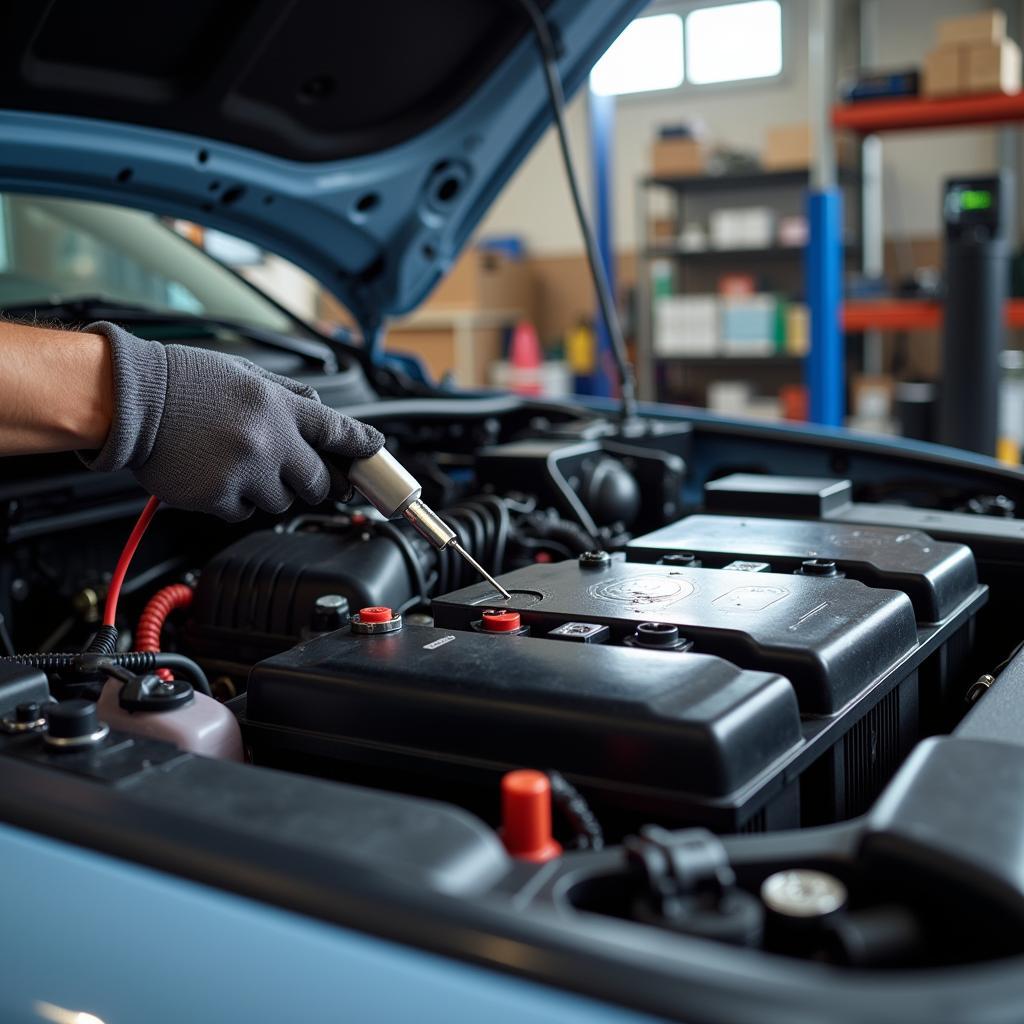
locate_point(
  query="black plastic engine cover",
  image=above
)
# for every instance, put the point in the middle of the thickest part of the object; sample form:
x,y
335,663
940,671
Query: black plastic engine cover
x,y
937,576
257,596
832,638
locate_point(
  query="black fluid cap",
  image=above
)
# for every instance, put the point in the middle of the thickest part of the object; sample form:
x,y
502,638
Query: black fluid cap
x,y
594,559
72,719
151,693
685,559
330,612
818,567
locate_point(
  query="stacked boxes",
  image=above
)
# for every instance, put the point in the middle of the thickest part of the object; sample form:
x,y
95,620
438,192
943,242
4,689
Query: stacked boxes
x,y
759,324
973,55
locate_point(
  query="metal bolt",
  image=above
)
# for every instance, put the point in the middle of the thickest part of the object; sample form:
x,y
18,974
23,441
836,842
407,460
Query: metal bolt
x,y
803,893
330,612
87,603
594,560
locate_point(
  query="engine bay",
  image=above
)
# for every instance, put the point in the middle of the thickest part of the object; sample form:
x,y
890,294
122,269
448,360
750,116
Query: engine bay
x,y
723,703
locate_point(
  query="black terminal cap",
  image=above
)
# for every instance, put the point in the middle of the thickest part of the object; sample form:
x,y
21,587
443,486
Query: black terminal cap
x,y
661,636
30,711
72,720
330,612
818,567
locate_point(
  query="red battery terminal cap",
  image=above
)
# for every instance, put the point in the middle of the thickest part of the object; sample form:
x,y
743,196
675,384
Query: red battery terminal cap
x,y
526,816
501,621
378,613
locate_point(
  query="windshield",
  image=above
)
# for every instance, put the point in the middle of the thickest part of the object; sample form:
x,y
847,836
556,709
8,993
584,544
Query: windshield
x,y
57,250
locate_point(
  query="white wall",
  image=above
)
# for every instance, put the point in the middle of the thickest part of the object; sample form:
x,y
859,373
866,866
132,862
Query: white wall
x,y
535,204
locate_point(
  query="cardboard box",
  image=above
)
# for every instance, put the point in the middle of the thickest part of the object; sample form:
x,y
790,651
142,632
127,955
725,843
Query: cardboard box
x,y
483,279
749,325
677,158
994,67
872,397
790,147
441,353
944,72
742,227
983,27
686,325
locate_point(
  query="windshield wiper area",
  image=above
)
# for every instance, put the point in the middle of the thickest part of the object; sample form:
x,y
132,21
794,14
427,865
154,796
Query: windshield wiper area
x,y
100,307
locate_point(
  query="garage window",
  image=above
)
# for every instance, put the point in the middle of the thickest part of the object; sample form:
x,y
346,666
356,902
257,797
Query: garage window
x,y
695,46
647,56
734,42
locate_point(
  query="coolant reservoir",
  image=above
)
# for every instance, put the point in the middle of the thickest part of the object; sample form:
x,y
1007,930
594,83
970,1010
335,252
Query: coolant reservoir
x,y
189,720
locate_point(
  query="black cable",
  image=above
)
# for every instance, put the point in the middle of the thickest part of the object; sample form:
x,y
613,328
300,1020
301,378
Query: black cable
x,y
90,663
412,561
182,666
549,59
582,820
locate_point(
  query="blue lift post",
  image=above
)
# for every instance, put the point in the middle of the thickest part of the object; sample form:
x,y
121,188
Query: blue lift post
x,y
602,131
826,363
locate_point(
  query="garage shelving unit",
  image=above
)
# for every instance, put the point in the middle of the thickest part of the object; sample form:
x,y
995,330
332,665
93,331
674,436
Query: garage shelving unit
x,y
760,186
874,118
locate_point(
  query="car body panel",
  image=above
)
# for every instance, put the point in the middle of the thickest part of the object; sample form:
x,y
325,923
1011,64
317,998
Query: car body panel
x,y
135,944
430,190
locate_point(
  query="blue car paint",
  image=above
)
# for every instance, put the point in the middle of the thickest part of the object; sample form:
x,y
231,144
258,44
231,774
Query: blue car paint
x,y
307,212
92,934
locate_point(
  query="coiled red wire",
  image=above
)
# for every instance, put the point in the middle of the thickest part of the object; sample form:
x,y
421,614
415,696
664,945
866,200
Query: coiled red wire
x,y
151,622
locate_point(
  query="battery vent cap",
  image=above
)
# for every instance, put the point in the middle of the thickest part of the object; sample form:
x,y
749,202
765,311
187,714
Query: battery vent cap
x,y
499,621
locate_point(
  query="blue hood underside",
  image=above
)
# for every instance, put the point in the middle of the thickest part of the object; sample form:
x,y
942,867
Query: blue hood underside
x,y
362,142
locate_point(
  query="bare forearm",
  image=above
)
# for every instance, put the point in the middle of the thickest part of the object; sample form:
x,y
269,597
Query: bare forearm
x,y
56,390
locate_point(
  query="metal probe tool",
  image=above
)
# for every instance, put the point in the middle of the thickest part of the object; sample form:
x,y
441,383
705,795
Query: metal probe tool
x,y
394,492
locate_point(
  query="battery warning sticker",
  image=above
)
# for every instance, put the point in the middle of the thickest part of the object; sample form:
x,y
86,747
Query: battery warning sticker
x,y
440,642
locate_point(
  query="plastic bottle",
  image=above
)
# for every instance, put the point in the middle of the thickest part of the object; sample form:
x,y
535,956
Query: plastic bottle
x,y
201,725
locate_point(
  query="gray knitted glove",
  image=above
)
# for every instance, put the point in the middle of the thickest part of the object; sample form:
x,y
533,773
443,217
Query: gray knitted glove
x,y
214,433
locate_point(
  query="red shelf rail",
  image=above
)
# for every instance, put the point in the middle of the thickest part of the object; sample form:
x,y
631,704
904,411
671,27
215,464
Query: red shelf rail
x,y
909,315
907,114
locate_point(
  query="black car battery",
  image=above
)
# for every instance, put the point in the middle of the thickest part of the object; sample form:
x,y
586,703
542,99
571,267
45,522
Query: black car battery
x,y
851,652
687,738
939,577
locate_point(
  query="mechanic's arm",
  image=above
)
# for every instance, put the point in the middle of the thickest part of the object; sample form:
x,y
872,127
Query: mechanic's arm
x,y
198,429
56,390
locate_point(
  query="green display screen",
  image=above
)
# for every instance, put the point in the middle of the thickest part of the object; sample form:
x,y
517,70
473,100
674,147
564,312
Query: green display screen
x,y
973,199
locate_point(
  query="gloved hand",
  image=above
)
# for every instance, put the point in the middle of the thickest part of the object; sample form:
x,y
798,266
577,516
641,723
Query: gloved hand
x,y
213,433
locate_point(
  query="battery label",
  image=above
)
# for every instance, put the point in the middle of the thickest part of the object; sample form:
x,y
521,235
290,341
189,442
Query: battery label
x,y
440,642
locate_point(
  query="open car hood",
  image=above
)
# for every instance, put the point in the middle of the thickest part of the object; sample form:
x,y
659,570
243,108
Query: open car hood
x,y
361,141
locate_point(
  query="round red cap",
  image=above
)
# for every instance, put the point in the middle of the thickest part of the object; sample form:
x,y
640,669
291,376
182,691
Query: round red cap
x,y
526,816
501,621
378,613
